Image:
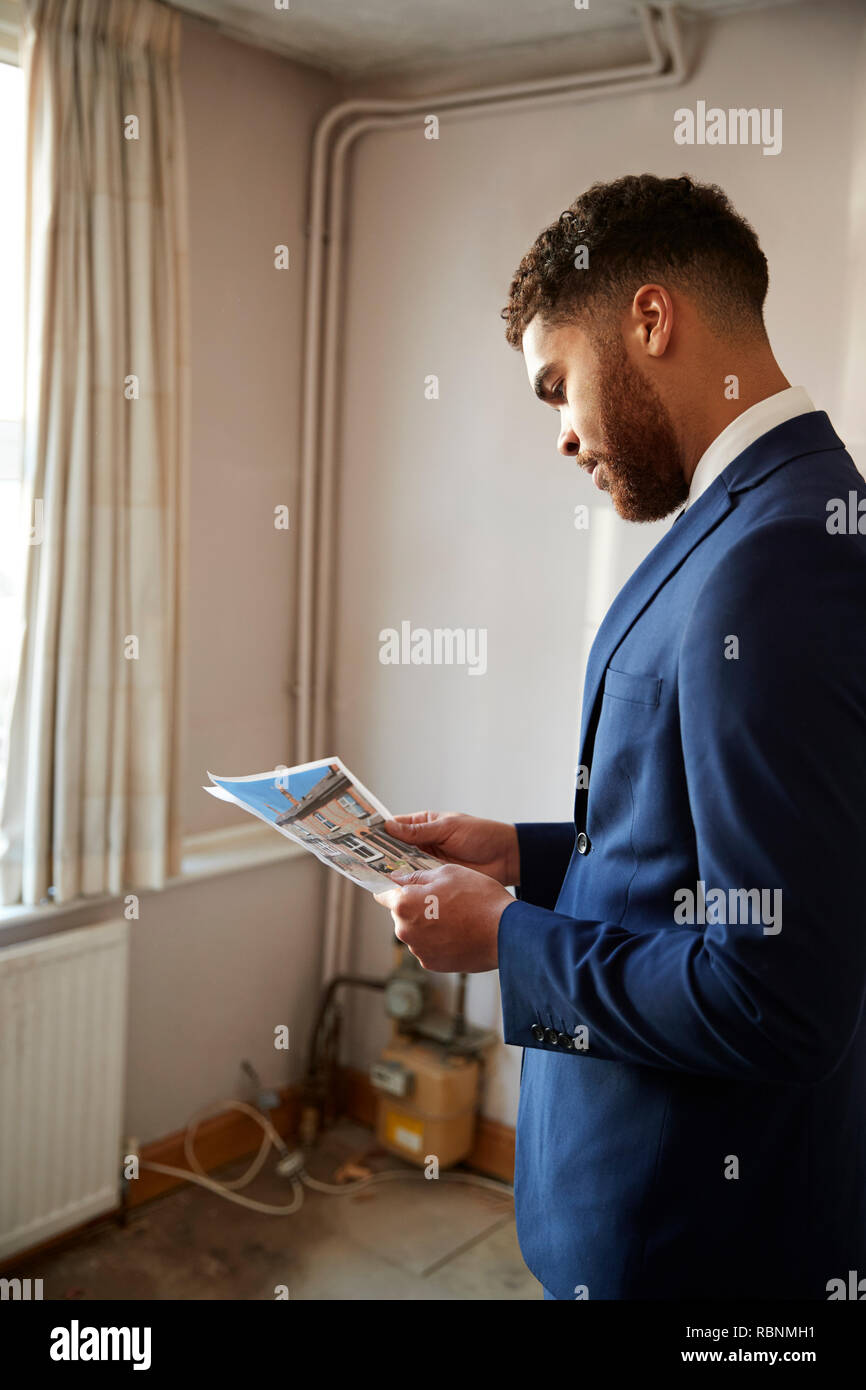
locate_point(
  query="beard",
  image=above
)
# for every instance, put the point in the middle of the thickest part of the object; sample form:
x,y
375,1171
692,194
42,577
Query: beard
x,y
641,465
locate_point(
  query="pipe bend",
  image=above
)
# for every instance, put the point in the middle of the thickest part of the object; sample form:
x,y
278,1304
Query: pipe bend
x,y
662,69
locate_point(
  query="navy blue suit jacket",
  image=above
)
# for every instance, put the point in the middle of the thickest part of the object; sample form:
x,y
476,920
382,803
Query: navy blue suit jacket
x,y
706,1136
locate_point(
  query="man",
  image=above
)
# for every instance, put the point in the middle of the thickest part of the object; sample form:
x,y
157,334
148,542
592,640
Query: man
x,y
685,962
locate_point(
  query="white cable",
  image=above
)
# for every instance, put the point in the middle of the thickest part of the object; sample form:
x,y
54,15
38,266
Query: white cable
x,y
340,1190
228,1189
220,1190
270,1138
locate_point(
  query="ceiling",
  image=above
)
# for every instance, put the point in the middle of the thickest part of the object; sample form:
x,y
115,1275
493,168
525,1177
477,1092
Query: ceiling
x,y
362,38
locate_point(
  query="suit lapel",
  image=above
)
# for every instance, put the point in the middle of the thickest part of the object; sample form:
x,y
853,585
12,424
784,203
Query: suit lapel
x,y
642,587
810,433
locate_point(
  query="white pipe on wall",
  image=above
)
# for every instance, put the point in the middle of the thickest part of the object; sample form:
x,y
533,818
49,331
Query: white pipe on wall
x,y
321,351
323,185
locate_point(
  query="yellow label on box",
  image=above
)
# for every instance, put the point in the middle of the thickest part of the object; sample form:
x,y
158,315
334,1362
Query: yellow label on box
x,y
404,1131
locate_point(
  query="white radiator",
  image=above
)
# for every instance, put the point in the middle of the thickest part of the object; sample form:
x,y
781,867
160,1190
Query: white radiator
x,y
63,1008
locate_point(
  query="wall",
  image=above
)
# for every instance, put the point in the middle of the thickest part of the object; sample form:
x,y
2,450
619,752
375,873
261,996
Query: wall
x,y
249,117
457,512
217,964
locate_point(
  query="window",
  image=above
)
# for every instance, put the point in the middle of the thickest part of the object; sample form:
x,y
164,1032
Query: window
x,y
13,535
361,848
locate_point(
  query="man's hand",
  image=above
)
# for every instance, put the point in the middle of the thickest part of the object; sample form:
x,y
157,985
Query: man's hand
x,y
448,917
488,846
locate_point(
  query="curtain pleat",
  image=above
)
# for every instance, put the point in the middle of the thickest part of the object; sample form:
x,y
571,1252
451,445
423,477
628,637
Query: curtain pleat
x,y
92,790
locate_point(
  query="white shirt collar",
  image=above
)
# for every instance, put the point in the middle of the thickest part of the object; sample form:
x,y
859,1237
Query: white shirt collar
x,y
743,431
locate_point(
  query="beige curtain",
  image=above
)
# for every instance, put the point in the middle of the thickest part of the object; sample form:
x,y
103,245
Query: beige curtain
x,y
91,796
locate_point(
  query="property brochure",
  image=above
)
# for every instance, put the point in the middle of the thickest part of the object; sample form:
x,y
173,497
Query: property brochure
x,y
324,807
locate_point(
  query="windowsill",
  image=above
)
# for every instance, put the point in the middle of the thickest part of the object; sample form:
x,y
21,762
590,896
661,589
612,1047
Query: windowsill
x,y
212,854
233,849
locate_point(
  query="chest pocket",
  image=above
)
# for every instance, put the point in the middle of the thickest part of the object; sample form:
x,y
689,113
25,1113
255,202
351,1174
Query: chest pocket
x,y
627,725
637,690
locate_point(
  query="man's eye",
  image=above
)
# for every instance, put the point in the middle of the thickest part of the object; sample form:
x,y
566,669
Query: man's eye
x,y
558,391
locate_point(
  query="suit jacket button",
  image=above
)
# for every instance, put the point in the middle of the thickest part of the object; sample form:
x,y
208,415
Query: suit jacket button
x,y
552,1037
564,1040
537,1032
583,843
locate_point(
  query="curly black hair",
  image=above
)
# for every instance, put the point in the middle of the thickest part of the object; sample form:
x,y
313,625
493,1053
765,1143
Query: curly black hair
x,y
636,229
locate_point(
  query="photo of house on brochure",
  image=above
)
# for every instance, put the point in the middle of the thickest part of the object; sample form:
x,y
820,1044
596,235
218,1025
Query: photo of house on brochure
x,y
323,807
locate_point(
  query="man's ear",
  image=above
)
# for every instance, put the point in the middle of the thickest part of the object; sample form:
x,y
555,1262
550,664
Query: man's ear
x,y
652,319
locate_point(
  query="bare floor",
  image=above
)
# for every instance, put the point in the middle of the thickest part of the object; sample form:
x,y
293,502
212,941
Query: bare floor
x,y
398,1240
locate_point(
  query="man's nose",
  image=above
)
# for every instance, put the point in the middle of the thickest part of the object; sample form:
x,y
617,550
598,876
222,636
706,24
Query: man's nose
x,y
568,443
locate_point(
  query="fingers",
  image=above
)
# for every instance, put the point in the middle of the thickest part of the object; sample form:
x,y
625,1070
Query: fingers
x,y
394,898
405,827
422,828
389,898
